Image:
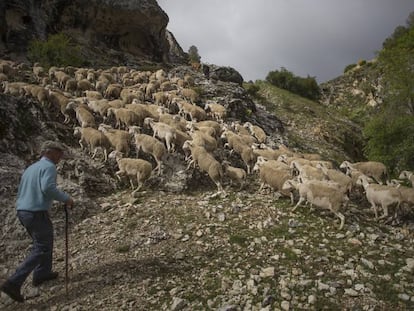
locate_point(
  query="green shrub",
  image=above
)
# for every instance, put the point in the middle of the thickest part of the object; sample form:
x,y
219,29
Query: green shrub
x,y
362,62
58,50
284,79
349,67
391,141
252,89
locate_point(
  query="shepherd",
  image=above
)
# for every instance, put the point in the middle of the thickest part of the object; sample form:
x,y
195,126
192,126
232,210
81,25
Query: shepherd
x,y
36,192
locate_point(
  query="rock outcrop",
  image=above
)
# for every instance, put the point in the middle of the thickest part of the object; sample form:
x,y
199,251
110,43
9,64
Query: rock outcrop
x,y
135,27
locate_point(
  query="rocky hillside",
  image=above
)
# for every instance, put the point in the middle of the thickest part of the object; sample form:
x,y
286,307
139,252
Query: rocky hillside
x,y
356,94
109,32
179,245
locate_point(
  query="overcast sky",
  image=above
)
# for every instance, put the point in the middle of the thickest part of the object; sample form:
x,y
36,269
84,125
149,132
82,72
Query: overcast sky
x,y
308,37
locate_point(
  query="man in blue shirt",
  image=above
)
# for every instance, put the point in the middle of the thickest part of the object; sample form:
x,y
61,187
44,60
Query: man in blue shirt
x,y
37,191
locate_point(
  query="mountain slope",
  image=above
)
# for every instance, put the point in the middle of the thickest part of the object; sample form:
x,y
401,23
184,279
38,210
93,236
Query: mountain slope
x,y
312,127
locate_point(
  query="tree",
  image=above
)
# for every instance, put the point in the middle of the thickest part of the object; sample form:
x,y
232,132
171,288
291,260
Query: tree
x,y
193,55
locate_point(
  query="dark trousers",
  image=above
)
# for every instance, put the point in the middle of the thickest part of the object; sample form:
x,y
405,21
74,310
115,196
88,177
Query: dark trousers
x,y
40,229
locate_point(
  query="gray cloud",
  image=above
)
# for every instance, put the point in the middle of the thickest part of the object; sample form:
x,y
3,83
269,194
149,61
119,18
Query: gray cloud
x,y
308,37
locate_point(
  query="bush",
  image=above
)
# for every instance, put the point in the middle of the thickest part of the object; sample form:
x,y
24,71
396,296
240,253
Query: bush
x,y
252,89
284,79
391,141
362,62
349,67
58,50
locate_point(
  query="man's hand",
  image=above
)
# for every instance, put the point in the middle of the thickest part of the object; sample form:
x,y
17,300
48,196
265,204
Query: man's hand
x,y
69,203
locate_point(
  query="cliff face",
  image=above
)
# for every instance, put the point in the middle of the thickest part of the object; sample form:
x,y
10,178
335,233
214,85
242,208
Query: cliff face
x,y
136,27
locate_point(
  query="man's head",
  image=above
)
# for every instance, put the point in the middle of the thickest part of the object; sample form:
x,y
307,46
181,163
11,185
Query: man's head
x,y
53,150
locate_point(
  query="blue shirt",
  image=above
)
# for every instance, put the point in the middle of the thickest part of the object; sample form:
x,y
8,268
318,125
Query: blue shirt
x,y
37,188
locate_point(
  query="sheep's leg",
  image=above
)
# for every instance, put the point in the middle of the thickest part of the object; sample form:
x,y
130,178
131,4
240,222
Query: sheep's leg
x,y
80,143
374,207
168,144
94,152
292,201
132,184
342,218
118,175
67,118
301,199
261,186
105,155
158,167
189,165
385,208
248,169
139,182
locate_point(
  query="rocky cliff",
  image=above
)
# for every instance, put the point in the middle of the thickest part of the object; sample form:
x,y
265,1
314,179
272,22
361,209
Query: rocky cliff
x,y
133,27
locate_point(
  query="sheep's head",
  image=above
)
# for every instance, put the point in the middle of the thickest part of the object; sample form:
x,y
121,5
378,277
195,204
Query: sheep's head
x,y
344,165
115,155
289,184
405,175
148,121
77,131
187,145
134,129
362,180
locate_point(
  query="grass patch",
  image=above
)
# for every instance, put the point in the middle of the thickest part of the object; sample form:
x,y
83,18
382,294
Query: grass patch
x,y
238,239
123,248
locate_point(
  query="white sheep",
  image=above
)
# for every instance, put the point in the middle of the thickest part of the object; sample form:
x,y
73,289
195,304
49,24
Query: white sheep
x,y
151,145
206,162
133,168
61,78
93,140
192,127
119,139
307,171
407,193
113,91
191,111
162,131
235,174
271,163
239,129
216,111
202,139
337,176
240,146
124,117
38,92
382,195
376,170
93,95
327,195
173,120
190,95
267,153
84,117
256,131
60,101
274,178
100,107
407,175
210,123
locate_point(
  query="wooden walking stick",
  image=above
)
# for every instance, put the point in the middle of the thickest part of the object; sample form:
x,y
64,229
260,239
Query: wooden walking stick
x,y
66,249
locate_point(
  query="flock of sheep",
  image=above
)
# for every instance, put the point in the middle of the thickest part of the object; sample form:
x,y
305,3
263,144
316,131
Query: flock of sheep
x,y
124,113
